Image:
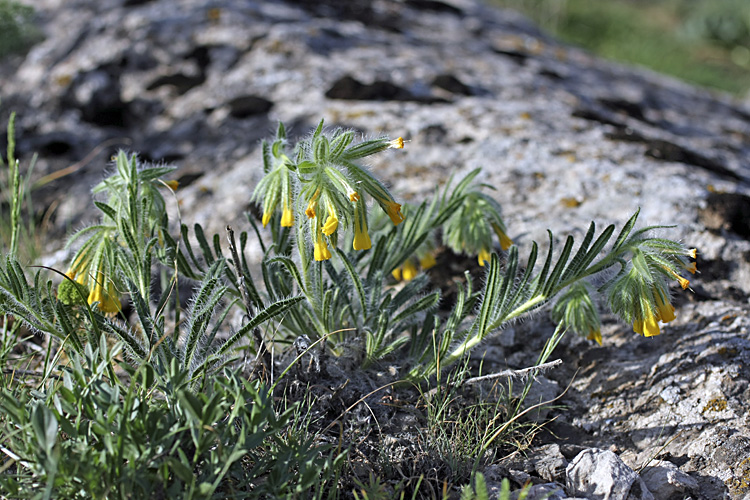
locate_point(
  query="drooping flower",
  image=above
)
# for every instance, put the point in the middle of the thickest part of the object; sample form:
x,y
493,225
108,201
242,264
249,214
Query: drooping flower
x,y
332,222
596,336
505,242
393,210
692,268
312,205
173,185
287,216
409,270
321,248
484,256
665,310
427,261
79,269
396,273
266,218
105,294
361,237
684,283
648,326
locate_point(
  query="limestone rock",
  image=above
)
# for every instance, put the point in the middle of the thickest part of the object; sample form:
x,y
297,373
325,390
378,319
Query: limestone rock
x,y
600,474
667,482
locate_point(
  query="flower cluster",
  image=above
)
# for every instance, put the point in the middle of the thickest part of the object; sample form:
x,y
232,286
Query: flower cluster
x,y
474,225
134,211
326,179
92,271
640,293
409,270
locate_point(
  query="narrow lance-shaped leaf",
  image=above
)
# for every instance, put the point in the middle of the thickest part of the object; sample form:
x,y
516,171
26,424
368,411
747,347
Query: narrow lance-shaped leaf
x,y
266,314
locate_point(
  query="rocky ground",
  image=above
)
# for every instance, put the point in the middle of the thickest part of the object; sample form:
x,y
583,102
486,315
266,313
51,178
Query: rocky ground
x,y
565,138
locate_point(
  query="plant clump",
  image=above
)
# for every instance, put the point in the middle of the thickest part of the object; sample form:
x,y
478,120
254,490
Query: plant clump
x,y
159,399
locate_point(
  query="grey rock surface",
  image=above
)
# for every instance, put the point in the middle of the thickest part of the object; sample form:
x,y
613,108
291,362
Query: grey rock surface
x,y
601,475
666,481
565,138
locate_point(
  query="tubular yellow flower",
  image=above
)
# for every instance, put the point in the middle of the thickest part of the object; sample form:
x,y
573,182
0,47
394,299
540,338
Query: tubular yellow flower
x,y
684,283
332,222
692,253
393,210
266,218
321,249
648,327
484,256
397,143
312,205
287,216
665,310
596,336
173,185
107,299
78,278
427,261
692,268
505,242
353,196
396,273
409,271
361,237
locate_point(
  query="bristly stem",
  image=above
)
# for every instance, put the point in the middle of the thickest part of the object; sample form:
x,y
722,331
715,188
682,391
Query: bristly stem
x,y
16,195
263,354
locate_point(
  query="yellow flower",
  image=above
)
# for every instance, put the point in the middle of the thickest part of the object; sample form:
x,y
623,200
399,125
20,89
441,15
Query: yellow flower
x,y
287,217
321,249
173,185
665,310
78,278
397,143
683,282
427,261
409,271
107,299
692,268
353,196
595,335
361,238
312,205
648,327
693,252
396,273
484,256
505,242
78,270
393,210
332,222
266,218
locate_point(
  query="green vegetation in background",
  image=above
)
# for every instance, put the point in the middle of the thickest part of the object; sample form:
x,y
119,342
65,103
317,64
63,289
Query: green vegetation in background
x,y
705,43
17,31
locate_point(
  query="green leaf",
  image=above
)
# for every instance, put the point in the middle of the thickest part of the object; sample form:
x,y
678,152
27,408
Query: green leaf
x,y
266,314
